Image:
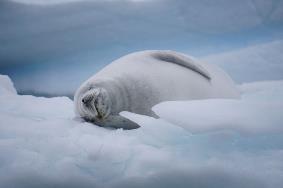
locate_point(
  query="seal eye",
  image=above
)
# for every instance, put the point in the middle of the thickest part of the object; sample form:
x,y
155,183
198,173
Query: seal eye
x,y
83,100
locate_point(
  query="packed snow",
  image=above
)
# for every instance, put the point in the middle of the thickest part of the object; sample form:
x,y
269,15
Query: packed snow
x,y
207,143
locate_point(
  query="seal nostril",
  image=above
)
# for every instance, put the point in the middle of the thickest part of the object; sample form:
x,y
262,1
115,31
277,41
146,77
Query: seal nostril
x,y
83,100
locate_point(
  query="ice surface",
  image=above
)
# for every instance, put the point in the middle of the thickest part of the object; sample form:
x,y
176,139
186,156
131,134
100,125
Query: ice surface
x,y
43,145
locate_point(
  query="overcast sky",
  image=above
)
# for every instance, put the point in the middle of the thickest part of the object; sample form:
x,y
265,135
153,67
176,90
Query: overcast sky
x,y
39,35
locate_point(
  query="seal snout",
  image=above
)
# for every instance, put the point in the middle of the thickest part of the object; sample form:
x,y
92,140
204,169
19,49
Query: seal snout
x,y
86,101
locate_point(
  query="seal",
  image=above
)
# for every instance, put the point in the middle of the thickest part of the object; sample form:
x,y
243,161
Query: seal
x,y
138,81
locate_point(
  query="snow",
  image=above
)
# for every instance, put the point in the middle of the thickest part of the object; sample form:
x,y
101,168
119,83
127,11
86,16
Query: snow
x,y
43,145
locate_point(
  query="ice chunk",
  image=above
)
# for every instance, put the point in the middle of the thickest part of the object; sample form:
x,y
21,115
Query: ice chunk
x,y
6,86
259,111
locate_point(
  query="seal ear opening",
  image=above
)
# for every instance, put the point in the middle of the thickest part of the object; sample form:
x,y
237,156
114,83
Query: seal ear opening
x,y
117,121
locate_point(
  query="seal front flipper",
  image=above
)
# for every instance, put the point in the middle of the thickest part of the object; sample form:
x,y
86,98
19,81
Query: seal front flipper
x,y
117,121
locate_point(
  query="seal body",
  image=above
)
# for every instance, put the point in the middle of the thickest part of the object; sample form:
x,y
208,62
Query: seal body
x,y
138,81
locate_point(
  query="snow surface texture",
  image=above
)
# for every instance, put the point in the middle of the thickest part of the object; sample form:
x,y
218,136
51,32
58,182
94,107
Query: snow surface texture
x,y
42,145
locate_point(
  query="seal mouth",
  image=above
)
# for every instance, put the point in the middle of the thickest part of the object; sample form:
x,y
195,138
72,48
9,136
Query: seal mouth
x,y
99,115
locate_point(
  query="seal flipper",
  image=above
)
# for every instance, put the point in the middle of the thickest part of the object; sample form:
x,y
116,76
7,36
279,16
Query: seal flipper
x,y
182,60
149,113
153,114
117,121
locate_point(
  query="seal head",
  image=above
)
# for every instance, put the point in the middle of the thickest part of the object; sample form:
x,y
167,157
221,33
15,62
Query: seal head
x,y
95,104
